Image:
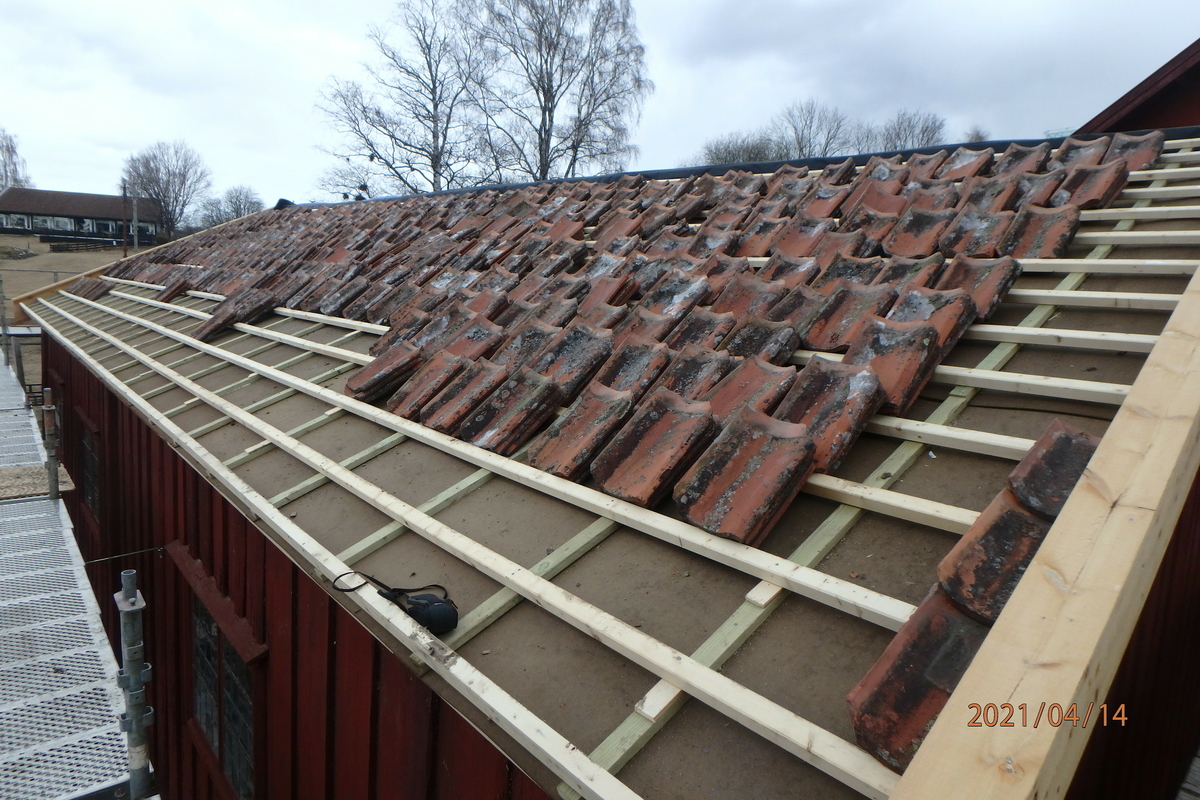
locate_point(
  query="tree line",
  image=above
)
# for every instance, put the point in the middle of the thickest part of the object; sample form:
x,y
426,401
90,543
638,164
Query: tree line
x,y
485,92
810,129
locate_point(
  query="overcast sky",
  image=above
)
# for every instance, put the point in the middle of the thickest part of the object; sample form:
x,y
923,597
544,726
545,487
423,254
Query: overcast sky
x,y
85,83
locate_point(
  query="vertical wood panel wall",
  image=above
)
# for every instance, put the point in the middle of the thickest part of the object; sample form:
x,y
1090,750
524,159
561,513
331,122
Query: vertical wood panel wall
x,y
337,715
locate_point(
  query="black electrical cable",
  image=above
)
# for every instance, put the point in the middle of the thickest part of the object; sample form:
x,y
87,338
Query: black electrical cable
x,y
438,614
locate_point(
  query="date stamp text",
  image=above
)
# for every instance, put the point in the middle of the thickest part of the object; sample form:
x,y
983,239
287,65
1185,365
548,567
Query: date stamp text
x,y
1006,715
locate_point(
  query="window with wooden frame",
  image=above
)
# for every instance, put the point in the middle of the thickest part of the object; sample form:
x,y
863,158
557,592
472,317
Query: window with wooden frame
x,y
223,701
90,484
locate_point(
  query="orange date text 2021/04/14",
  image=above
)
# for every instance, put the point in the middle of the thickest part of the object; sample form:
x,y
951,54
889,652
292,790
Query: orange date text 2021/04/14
x,y
1024,715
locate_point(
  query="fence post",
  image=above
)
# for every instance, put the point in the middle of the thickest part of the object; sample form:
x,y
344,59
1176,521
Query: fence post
x,y
135,674
50,428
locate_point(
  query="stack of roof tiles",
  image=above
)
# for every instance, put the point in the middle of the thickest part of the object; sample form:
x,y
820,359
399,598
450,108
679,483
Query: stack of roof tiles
x,y
663,314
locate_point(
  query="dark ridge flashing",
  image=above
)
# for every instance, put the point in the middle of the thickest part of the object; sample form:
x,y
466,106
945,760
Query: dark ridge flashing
x,y
763,167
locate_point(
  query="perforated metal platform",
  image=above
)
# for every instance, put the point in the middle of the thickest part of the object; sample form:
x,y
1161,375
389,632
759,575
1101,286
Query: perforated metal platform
x,y
59,701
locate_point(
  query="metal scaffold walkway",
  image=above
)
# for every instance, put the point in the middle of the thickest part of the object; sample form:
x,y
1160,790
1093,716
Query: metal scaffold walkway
x,y
59,701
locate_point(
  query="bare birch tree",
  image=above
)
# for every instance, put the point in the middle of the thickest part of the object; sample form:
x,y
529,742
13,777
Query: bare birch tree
x,y
558,83
172,175
808,129
411,129
12,166
237,201
911,129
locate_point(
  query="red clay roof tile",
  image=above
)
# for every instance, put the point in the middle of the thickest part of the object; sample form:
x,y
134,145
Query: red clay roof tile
x,y
1019,158
834,327
896,702
902,354
745,480
512,413
1138,152
447,409
645,458
965,163
1092,187
1079,152
1040,232
986,280
755,336
430,379
383,375
916,233
566,448
754,383
976,234
834,401
981,571
1043,479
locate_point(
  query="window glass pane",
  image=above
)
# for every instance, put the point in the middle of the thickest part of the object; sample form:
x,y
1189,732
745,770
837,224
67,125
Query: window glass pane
x,y
237,740
204,655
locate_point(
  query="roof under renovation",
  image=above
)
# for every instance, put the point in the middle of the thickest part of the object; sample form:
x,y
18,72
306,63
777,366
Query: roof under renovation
x,y
778,440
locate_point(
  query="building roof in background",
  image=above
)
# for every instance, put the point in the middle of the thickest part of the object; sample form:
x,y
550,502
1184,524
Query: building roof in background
x,y
14,200
1170,96
562,392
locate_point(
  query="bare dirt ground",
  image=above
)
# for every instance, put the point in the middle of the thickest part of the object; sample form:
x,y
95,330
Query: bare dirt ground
x,y
27,274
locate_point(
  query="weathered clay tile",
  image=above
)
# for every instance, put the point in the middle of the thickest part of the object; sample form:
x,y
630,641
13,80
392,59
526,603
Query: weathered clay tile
x,y
847,268
605,316
1138,152
989,195
573,356
874,225
335,303
834,327
1019,158
608,291
938,197
924,166
1080,152
516,313
791,271
359,307
760,236
488,303
882,169
641,322
615,227
725,218
475,340
458,398
311,301
702,328
556,311
708,243
498,279
986,280
1045,477
525,343
527,290
965,163
425,383
1037,189
798,307
1092,187
902,354
403,327
1040,232
851,243
645,458
676,294
748,295
950,311
976,234
719,269
693,371
910,273
244,306
383,375
566,448
836,174
896,702
878,195
741,485
443,328
982,569
824,200
171,289
916,233
834,401
754,383
513,413
635,366
754,336
801,234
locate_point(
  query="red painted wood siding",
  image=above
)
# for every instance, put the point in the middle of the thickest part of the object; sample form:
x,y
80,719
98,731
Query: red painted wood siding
x,y
337,715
